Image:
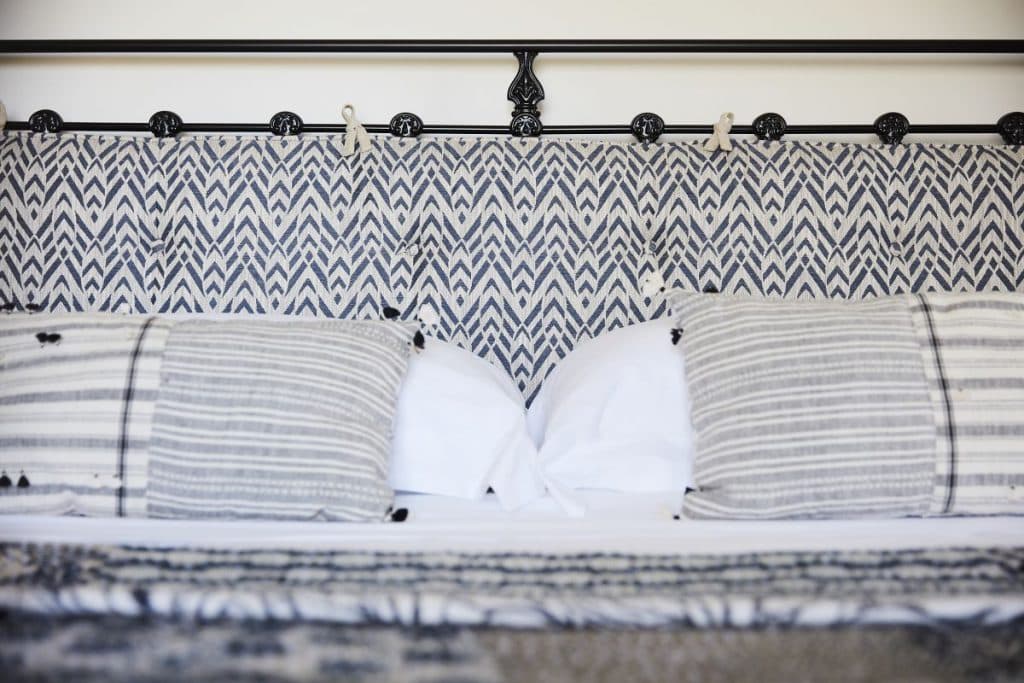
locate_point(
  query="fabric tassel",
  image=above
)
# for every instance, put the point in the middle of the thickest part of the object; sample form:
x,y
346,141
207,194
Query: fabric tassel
x,y
354,132
653,284
720,137
428,315
5,481
22,482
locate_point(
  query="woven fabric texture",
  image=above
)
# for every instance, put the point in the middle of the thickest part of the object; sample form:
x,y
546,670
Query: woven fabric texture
x,y
521,247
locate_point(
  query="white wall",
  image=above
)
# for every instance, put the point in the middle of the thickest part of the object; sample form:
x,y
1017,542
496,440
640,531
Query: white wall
x,y
471,89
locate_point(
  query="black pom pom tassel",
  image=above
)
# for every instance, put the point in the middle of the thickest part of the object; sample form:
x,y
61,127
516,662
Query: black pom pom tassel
x,y
677,334
390,312
5,481
23,482
419,341
400,515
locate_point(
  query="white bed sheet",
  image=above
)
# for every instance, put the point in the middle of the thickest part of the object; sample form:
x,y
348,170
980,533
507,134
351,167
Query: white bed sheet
x,y
615,522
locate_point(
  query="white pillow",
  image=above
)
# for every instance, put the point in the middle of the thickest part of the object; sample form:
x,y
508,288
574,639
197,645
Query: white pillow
x,y
461,428
615,415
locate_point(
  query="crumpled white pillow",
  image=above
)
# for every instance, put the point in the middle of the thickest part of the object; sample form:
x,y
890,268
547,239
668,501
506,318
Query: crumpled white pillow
x,y
461,428
615,415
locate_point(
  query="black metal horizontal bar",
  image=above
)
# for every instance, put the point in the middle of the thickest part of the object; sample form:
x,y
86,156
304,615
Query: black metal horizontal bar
x,y
597,129
480,46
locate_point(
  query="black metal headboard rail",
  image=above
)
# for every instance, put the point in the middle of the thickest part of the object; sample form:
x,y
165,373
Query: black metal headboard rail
x,y
526,91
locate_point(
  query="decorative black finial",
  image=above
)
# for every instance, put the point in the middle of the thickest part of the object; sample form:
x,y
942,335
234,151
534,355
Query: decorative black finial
x,y
285,123
1011,127
892,127
165,124
45,121
406,125
526,92
769,126
647,127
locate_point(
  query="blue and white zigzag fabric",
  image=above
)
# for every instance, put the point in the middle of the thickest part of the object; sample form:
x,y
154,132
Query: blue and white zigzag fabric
x,y
521,247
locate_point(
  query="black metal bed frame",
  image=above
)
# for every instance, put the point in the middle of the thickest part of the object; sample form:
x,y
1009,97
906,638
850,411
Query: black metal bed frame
x,y
526,91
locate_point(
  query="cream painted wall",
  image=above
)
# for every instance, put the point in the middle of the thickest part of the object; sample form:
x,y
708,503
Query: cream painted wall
x,y
471,89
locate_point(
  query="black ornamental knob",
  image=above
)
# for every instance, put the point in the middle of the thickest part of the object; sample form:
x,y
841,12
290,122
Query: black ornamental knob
x,y
45,121
165,124
892,127
406,125
1011,127
769,126
647,127
285,123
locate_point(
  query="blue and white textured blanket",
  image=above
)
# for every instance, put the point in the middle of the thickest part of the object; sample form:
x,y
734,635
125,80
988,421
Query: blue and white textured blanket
x,y
438,616
969,585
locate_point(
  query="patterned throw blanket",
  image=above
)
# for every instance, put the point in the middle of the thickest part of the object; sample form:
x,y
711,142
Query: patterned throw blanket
x,y
126,650
107,612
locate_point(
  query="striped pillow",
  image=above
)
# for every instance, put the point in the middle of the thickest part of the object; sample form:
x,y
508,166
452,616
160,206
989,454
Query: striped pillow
x,y
973,346
77,394
131,416
276,420
900,406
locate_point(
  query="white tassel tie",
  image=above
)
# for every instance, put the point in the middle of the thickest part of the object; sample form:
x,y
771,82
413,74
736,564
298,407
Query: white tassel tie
x,y
354,132
428,315
652,285
3,116
720,137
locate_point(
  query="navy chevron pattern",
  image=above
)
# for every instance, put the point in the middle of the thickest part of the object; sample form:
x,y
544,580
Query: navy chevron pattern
x,y
522,246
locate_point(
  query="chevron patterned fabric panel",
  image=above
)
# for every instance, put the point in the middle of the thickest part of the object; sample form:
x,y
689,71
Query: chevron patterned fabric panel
x,y
521,246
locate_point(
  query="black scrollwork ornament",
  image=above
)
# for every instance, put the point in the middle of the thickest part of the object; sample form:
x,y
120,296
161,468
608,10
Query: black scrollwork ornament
x,y
647,127
769,126
526,125
1011,127
45,121
892,127
285,123
406,125
525,93
165,124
